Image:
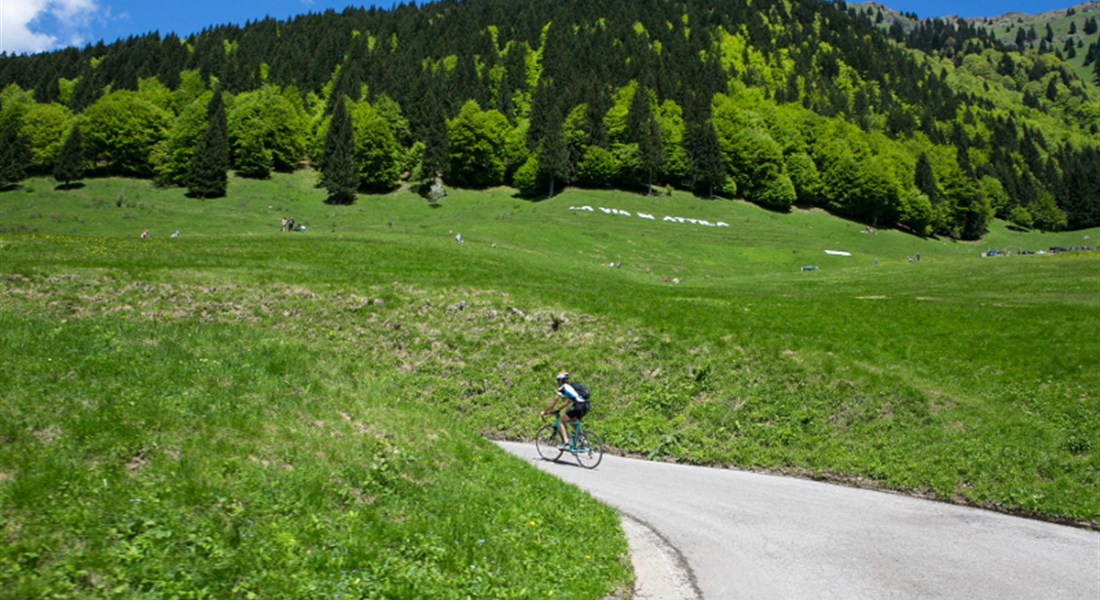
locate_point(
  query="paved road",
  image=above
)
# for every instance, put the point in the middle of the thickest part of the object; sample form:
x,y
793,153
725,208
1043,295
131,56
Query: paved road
x,y
747,535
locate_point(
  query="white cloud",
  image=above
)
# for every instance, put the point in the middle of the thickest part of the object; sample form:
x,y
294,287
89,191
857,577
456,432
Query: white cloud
x,y
36,25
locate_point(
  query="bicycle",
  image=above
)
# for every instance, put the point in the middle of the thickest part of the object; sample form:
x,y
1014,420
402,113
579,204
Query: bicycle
x,y
585,445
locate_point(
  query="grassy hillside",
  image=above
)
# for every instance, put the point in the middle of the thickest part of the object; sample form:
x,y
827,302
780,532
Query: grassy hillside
x,y
325,391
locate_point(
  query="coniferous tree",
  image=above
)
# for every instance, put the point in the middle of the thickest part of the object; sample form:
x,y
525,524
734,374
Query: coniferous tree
x,y
925,179
207,177
339,173
706,157
553,155
13,156
69,164
434,135
644,131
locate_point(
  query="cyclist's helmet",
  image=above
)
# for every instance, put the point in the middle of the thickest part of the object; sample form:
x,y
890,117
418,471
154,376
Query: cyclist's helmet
x,y
562,376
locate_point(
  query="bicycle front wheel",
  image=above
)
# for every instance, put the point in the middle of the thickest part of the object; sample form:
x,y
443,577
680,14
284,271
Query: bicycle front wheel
x,y
546,441
589,449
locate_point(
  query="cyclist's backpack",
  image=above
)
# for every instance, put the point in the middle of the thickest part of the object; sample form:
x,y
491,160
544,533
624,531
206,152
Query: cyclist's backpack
x,y
581,390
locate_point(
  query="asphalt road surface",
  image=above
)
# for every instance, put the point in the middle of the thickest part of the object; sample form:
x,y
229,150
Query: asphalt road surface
x,y
734,535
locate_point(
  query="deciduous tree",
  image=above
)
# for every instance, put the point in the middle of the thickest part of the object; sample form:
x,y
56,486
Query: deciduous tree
x,y
121,130
475,140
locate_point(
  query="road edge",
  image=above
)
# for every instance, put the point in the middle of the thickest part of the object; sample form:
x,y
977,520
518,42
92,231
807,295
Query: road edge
x,y
660,570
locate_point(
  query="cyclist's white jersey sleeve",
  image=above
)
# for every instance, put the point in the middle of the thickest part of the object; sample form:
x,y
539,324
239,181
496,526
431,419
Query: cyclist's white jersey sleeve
x,y
567,391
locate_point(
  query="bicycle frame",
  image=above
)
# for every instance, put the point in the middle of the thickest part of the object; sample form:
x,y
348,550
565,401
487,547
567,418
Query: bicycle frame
x,y
572,441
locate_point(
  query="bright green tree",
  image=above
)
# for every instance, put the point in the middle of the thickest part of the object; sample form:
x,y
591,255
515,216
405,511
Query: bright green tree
x,y
805,177
598,167
1020,218
476,141
172,156
377,153
526,178
265,122
121,129
1046,214
670,123
917,213
254,158
44,128
995,192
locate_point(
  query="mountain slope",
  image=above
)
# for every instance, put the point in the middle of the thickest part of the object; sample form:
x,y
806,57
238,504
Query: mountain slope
x,y
934,129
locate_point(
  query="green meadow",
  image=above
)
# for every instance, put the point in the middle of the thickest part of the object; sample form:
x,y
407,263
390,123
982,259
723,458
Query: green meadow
x,y
240,412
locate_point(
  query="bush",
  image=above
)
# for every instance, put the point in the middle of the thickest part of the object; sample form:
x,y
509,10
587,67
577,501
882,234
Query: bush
x,y
1021,218
777,194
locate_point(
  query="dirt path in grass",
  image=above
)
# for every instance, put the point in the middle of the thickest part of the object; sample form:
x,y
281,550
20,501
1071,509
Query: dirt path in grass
x,y
717,534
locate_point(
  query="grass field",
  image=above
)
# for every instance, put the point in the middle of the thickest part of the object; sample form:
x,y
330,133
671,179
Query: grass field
x,y
239,410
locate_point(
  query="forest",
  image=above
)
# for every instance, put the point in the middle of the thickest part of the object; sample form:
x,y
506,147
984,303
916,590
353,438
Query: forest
x,y
934,127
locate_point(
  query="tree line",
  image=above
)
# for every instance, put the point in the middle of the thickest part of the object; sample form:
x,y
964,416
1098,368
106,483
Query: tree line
x,y
780,103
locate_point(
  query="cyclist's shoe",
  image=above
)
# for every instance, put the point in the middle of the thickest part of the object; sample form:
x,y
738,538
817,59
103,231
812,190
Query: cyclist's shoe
x,y
563,446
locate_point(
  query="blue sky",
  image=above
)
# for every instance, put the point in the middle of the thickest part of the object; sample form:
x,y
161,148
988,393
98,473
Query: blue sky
x,y
40,25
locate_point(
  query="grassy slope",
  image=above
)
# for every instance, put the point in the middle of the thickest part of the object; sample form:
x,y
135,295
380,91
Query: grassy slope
x,y
965,378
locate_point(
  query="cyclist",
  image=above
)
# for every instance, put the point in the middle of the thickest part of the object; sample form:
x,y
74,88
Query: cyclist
x,y
568,395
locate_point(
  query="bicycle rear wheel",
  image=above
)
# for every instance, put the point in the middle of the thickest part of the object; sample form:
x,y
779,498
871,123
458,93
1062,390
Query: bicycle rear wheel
x,y
546,441
589,449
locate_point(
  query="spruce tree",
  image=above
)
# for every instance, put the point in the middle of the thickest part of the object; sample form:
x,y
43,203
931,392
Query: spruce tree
x,y
436,151
339,174
647,134
553,155
706,157
207,176
13,156
925,179
69,165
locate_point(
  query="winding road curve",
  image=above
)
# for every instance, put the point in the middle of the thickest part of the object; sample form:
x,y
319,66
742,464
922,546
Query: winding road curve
x,y
733,534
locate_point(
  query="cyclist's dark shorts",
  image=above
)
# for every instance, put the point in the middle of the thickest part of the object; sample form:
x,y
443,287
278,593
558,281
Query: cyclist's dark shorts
x,y
578,410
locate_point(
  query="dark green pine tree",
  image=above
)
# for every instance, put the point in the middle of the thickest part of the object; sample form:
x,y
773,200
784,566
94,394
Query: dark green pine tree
x,y
13,157
553,156
925,179
207,177
647,134
69,164
706,157
436,151
339,174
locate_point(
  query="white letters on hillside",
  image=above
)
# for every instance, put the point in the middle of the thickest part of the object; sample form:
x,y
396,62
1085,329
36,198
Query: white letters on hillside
x,y
648,217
